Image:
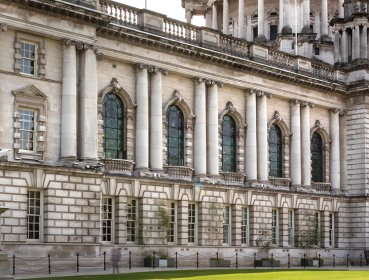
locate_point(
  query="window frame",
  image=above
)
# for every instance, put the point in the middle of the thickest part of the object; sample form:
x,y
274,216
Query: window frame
x,y
134,203
314,162
275,227
291,227
192,220
331,230
227,227
173,217
180,139
279,152
232,147
33,131
40,216
111,220
23,57
245,227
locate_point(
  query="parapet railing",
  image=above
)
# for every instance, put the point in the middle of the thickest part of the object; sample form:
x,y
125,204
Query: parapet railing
x,y
157,23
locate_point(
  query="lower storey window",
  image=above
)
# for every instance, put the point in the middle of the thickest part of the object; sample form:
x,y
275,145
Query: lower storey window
x,y
191,223
132,220
33,214
107,219
245,226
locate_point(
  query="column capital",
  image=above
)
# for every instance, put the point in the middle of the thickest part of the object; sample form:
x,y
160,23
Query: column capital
x,y
335,110
141,66
155,69
80,45
199,80
3,27
296,101
307,104
261,93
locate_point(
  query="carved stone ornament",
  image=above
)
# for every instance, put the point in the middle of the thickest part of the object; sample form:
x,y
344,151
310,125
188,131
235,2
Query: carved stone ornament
x,y
230,107
277,117
177,97
141,66
115,84
79,44
3,27
318,124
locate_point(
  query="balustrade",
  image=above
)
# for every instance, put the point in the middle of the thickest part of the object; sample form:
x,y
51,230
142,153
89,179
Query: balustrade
x,y
233,178
179,172
118,166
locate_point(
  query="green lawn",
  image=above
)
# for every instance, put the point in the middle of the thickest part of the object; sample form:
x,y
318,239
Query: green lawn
x,y
234,275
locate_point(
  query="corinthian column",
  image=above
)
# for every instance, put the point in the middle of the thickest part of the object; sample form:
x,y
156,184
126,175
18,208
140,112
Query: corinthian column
x,y
213,130
262,134
344,46
241,18
335,172
88,105
356,42
324,23
364,43
340,9
68,136
251,136
261,18
295,161
214,22
156,120
225,17
142,118
306,13
305,144
199,146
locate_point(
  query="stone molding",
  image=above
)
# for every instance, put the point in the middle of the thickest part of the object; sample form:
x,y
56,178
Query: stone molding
x,y
208,82
306,103
80,45
260,93
3,27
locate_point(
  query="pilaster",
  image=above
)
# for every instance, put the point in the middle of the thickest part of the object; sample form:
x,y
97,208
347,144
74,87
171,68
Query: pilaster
x,y
335,175
295,162
305,144
251,137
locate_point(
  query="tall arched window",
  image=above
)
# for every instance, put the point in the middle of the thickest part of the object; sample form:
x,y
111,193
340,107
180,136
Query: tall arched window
x,y
275,151
113,112
175,136
228,144
317,158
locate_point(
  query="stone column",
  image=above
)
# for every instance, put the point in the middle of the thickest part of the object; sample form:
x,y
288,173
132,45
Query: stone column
x,y
241,18
356,42
209,18
286,13
305,145
188,16
213,130
199,146
142,118
335,176
295,161
3,103
343,151
337,52
364,42
214,17
306,13
344,50
340,9
156,120
281,16
225,17
68,137
261,18
88,106
262,136
251,143
324,18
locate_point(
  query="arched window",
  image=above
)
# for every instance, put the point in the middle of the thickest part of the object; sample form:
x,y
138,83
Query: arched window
x,y
275,151
228,144
317,158
175,136
113,112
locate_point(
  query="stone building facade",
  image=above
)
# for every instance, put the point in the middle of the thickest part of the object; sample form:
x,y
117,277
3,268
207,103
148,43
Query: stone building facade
x,y
112,117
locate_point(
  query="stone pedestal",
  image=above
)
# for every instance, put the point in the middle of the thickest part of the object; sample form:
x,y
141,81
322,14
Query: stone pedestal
x,y
4,267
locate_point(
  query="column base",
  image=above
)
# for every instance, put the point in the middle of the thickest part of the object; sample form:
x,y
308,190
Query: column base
x,y
4,267
251,183
260,38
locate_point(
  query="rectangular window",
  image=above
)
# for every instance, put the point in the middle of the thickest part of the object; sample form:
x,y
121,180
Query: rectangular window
x,y
192,223
28,61
245,226
291,227
317,228
107,219
331,230
27,129
33,215
227,225
132,220
275,229
172,224
255,32
273,32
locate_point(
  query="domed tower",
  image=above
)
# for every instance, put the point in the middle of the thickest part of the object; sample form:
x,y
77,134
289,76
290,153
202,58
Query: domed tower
x,y
350,27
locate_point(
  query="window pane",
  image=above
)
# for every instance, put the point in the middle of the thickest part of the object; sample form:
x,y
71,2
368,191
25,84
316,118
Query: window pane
x,y
316,158
113,127
228,144
33,214
28,52
275,151
175,136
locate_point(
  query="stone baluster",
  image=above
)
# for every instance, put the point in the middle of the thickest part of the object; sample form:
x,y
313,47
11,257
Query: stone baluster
x,y
88,106
225,17
213,129
251,137
262,135
295,144
200,128
156,119
142,118
241,18
335,171
68,135
305,144
189,16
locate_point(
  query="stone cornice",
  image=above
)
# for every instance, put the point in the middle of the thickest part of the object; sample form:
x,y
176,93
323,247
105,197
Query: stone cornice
x,y
221,58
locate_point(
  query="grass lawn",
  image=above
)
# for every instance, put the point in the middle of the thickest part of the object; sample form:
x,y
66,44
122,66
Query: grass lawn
x,y
233,275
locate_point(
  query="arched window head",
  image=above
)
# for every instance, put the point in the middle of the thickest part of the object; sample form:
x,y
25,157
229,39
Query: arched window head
x,y
275,151
317,158
228,144
175,136
113,112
